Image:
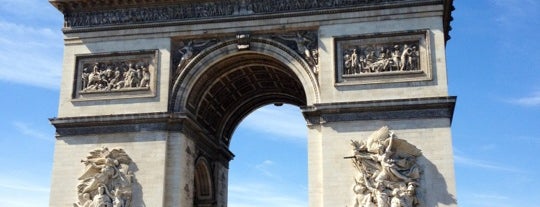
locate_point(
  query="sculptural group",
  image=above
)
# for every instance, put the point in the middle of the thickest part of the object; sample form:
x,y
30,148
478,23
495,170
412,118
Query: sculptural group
x,y
381,58
107,179
387,172
114,76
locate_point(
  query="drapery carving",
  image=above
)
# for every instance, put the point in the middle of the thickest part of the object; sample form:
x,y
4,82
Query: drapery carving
x,y
107,179
387,172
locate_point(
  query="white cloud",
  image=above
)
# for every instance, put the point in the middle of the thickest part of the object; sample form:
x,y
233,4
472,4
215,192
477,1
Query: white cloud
x,y
286,122
490,196
461,160
265,167
510,10
27,130
30,55
532,100
28,9
262,195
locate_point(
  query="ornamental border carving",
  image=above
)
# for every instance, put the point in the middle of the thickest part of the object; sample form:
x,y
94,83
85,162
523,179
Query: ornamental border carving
x,y
377,58
116,75
83,15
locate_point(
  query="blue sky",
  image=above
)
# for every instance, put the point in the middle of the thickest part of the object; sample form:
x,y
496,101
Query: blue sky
x,y
493,67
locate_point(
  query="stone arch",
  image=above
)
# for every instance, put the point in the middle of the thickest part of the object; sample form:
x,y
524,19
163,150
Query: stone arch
x,y
203,185
269,72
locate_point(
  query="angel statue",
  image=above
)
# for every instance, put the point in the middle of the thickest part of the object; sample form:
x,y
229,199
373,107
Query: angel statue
x,y
105,169
303,47
187,50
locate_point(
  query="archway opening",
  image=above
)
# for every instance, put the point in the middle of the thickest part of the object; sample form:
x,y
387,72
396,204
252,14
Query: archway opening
x,y
223,95
235,86
270,166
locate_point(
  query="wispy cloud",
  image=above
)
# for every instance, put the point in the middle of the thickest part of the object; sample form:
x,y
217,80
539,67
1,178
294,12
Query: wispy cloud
x,y
510,10
262,195
30,55
28,9
467,161
13,184
531,100
14,192
265,167
490,196
27,130
286,122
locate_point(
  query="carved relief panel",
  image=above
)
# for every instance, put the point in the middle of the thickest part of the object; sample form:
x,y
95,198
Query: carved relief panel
x,y
116,75
386,171
304,43
107,179
383,58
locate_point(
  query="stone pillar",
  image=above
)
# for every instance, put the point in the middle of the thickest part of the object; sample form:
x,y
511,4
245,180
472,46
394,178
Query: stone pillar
x,y
424,123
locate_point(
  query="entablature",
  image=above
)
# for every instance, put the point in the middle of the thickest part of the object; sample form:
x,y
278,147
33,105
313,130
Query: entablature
x,y
92,15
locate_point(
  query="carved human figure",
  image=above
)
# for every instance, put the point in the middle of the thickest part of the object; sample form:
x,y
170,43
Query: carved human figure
x,y
187,53
108,171
101,199
302,46
381,194
387,167
84,201
409,197
94,77
405,57
116,82
105,169
347,63
414,58
145,80
396,55
396,200
131,78
84,78
354,62
118,201
363,196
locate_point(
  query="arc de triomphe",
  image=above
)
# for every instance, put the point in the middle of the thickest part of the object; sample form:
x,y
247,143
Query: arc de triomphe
x,y
152,91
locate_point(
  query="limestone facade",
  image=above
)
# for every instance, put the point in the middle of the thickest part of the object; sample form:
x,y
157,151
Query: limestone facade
x,y
209,68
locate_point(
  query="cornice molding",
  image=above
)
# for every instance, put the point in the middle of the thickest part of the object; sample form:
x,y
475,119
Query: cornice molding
x,y
99,15
417,108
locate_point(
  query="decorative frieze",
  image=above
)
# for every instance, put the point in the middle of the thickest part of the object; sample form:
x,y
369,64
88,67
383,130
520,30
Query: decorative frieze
x,y
383,58
115,74
386,171
76,17
107,179
304,43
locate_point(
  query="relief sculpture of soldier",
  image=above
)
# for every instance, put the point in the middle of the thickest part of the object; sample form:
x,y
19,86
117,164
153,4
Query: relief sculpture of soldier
x,y
387,173
380,59
113,76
